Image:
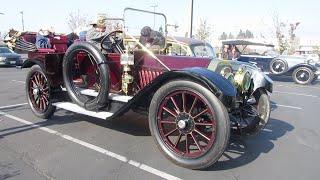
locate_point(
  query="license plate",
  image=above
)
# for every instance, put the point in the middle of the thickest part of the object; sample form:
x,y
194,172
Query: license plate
x,y
12,62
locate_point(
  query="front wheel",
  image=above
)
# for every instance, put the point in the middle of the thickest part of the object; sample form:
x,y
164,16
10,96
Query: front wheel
x,y
189,124
303,75
38,93
256,112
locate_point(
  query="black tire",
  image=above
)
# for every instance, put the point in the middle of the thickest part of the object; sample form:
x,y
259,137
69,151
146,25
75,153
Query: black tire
x,y
278,66
84,101
263,109
315,79
47,111
303,76
221,118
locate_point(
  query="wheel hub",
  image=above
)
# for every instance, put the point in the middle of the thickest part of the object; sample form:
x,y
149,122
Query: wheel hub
x,y
36,91
185,123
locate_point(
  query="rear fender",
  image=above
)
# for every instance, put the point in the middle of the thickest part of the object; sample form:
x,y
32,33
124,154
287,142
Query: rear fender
x,y
30,62
310,66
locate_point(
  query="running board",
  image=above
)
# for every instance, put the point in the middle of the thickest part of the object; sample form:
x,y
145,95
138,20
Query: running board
x,y
77,109
112,96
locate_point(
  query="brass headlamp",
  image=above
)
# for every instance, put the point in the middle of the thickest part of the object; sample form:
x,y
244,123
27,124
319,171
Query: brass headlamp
x,y
242,79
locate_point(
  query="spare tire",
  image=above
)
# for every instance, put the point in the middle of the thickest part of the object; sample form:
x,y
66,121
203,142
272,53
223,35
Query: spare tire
x,y
90,103
278,66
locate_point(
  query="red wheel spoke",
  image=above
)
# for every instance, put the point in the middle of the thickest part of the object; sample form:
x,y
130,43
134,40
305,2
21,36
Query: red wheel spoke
x,y
204,124
197,131
187,145
175,105
204,111
44,104
170,112
36,80
33,82
184,102
46,99
193,104
178,140
194,139
40,104
171,132
167,122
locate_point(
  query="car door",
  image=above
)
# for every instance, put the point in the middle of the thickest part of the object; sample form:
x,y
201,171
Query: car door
x,y
262,62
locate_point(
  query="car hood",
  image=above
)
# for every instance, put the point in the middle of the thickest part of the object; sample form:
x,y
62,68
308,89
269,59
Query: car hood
x,y
216,64
10,55
258,77
295,58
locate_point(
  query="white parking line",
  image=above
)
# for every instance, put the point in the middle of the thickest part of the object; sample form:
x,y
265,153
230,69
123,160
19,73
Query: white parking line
x,y
291,107
13,106
22,82
297,94
95,148
291,86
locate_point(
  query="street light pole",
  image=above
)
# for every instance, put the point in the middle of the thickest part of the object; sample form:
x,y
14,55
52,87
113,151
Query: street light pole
x,y
191,20
22,20
154,16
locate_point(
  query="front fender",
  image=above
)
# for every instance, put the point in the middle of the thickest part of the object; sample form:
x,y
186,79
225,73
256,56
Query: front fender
x,y
218,85
260,80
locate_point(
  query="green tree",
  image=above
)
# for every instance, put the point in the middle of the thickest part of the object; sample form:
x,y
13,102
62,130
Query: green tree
x,y
223,36
204,31
231,36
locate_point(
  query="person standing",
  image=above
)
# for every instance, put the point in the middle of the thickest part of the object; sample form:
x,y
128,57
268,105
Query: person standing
x,y
98,30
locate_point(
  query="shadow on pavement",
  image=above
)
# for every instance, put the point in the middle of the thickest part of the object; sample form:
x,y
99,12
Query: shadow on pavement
x,y
289,79
242,151
130,123
7,171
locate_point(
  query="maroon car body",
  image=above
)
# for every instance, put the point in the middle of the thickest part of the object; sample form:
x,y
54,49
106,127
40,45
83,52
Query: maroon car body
x,y
191,107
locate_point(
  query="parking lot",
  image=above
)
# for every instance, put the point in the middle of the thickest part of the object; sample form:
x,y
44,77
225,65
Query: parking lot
x,y
71,146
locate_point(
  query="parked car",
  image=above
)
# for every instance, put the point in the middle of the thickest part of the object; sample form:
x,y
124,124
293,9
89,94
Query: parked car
x,y
301,69
8,57
193,103
182,46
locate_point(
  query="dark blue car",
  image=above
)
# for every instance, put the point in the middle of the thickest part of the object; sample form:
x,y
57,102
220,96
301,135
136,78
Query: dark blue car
x,y
8,57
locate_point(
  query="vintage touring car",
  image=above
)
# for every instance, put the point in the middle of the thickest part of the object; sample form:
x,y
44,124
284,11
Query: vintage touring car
x,y
193,103
303,70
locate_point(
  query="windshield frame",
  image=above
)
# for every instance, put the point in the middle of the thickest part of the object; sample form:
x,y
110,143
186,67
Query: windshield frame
x,y
206,45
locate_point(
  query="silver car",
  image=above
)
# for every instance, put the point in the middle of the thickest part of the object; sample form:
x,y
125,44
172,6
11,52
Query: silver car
x,y
302,69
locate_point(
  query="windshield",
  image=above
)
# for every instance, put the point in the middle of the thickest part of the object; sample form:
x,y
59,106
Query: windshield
x,y
5,50
256,50
203,50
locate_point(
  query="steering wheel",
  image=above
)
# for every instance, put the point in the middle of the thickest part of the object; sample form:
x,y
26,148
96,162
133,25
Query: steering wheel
x,y
113,41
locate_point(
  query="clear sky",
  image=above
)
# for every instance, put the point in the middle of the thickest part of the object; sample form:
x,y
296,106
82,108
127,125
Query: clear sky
x,y
224,15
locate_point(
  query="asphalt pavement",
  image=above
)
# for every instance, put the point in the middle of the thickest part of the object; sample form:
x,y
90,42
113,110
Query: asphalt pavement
x,y
73,146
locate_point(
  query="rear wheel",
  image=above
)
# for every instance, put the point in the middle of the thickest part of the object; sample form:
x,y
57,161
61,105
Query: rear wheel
x,y
189,124
38,92
303,75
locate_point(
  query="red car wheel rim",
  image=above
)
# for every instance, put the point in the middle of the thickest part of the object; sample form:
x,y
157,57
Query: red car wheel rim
x,y
39,91
186,124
